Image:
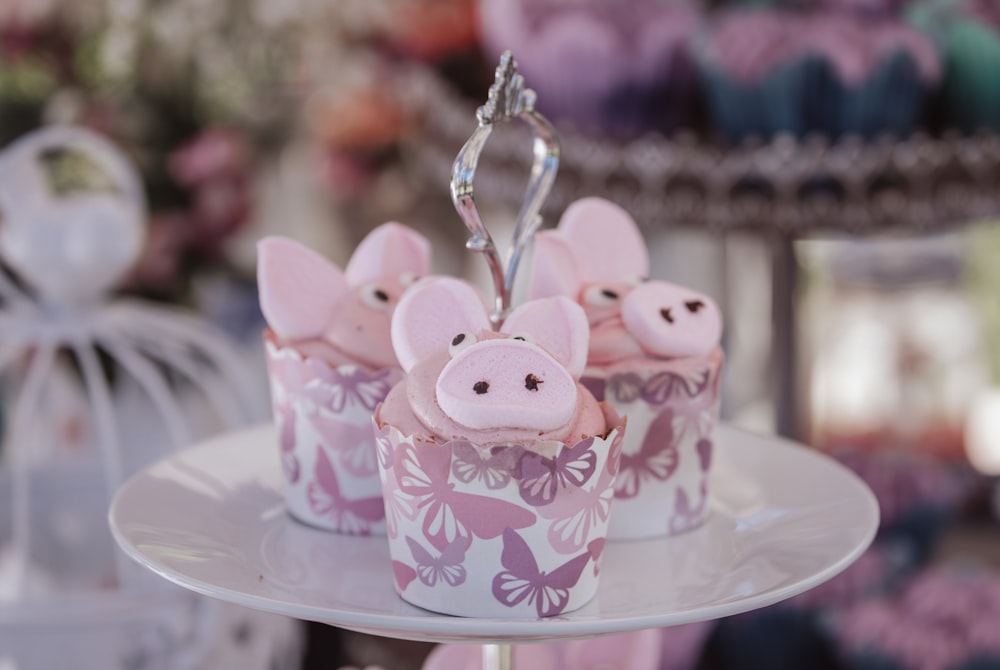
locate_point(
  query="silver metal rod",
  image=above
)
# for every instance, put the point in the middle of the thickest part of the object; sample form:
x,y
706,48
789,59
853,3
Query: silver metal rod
x,y
24,439
507,100
784,292
498,657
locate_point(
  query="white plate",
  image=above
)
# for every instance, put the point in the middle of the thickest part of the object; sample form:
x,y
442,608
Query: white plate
x,y
211,518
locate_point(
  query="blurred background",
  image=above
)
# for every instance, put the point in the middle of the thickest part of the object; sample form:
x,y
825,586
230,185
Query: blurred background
x,y
828,170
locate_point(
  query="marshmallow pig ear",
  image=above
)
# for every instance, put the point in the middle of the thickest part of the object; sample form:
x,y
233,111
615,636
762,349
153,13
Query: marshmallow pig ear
x,y
390,250
299,289
553,268
557,325
605,242
431,313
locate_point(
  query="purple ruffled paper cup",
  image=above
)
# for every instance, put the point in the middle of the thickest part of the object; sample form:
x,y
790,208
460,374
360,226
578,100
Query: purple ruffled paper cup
x,y
672,407
501,531
327,446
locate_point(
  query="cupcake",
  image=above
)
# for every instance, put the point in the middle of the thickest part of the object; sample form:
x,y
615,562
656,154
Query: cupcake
x,y
969,35
773,71
654,356
497,465
330,362
612,68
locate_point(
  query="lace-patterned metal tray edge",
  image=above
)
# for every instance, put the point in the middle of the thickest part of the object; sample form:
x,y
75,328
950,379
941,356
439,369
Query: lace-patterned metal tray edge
x,y
921,184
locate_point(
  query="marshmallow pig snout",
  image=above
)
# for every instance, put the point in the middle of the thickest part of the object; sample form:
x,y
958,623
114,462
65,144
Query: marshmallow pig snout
x,y
506,383
671,321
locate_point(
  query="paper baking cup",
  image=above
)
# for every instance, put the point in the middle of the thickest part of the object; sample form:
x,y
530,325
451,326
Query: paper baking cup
x,y
501,531
326,442
672,407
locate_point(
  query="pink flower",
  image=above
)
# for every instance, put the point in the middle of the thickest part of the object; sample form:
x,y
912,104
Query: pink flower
x,y
209,156
941,619
640,650
630,651
215,168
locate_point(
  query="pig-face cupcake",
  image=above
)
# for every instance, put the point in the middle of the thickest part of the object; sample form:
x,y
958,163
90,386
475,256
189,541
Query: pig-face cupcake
x,y
330,361
654,356
497,465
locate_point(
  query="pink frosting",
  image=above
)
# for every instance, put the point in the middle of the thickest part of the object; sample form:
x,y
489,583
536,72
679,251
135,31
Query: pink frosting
x,y
340,317
596,257
465,381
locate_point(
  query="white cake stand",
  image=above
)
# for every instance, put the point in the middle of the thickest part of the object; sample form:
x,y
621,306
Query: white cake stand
x,y
211,519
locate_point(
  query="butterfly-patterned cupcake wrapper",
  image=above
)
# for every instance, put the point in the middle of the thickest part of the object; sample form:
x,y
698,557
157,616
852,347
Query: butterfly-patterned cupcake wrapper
x,y
502,531
663,481
326,445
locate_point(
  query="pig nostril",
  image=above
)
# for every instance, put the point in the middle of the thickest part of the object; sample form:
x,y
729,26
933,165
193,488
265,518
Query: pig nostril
x,y
694,305
531,382
667,316
481,387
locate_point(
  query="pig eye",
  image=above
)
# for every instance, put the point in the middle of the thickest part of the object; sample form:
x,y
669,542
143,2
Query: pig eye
x,y
523,337
374,297
694,306
600,296
408,278
461,342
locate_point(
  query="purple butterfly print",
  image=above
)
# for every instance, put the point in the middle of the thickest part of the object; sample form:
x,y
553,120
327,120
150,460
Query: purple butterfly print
x,y
577,515
285,419
494,471
336,388
685,516
625,388
447,567
349,516
613,464
522,580
422,471
662,386
540,478
383,444
398,505
704,448
657,457
354,444
402,574
596,549
284,366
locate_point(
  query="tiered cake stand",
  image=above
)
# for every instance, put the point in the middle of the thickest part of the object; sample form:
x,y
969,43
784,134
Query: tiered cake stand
x,y
211,519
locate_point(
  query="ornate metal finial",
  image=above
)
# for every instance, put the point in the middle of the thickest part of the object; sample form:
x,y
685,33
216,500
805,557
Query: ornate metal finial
x,y
508,99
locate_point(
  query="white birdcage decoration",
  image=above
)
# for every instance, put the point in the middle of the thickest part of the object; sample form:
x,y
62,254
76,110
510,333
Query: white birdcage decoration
x,y
92,388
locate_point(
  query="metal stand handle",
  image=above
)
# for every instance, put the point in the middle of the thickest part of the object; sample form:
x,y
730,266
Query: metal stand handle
x,y
507,99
